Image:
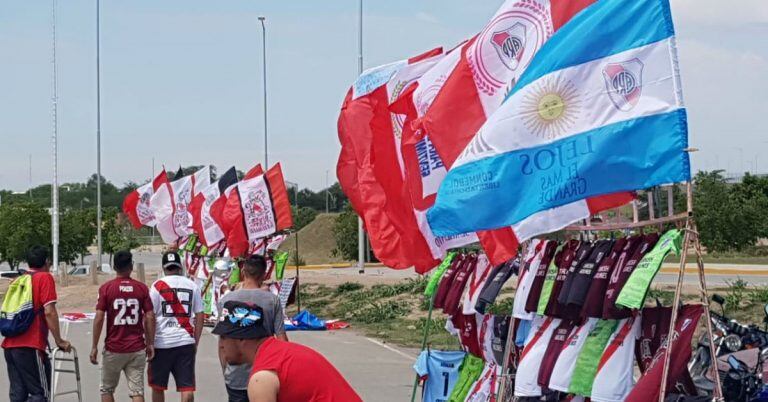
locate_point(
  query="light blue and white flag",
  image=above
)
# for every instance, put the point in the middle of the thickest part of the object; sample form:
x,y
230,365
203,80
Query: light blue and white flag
x,y
598,111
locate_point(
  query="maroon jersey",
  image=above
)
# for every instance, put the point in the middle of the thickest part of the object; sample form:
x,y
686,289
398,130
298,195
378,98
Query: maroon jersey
x,y
466,325
564,279
532,303
445,283
563,261
554,348
593,305
619,278
452,300
653,333
125,301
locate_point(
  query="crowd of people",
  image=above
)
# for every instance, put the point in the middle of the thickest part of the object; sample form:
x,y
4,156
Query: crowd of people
x,y
158,329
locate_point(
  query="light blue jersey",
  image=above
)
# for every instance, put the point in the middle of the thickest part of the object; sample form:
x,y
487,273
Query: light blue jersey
x,y
441,370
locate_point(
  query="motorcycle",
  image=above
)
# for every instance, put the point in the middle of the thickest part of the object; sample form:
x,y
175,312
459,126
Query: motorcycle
x,y
740,351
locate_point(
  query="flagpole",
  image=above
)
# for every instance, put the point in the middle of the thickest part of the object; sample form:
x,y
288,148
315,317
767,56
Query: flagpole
x,y
98,134
360,228
264,81
54,140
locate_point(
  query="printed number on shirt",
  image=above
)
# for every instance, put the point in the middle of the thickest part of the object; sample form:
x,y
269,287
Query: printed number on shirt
x,y
129,306
445,384
184,296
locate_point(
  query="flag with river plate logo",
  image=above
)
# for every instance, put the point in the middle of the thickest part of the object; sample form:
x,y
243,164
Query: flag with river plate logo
x,y
596,112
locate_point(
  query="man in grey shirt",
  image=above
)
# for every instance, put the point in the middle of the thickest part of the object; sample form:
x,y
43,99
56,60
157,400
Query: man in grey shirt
x,y
253,275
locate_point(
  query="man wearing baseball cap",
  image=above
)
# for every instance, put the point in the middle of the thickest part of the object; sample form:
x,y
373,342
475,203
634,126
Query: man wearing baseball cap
x,y
282,371
178,308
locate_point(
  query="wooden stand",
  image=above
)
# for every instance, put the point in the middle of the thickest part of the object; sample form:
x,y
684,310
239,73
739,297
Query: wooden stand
x,y
686,222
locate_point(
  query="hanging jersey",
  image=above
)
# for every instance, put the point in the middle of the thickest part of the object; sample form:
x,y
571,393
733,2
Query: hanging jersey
x,y
470,371
556,275
554,348
467,329
593,304
477,279
452,300
439,370
525,278
632,295
565,365
583,275
539,274
620,275
176,300
498,277
653,333
485,335
563,310
589,358
526,379
613,380
522,331
448,277
484,389
499,341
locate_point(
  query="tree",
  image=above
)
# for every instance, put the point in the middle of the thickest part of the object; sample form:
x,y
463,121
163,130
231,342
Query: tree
x,y
22,225
345,234
302,217
117,233
77,232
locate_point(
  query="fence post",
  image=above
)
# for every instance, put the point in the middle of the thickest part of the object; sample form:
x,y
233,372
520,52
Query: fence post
x,y
63,278
141,273
94,273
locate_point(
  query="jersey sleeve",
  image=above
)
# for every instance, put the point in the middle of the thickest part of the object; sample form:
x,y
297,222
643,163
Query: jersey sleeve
x,y
197,301
420,366
101,302
279,317
154,297
46,289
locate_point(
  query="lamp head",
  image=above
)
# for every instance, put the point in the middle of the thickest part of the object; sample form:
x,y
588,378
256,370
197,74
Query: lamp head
x,y
262,18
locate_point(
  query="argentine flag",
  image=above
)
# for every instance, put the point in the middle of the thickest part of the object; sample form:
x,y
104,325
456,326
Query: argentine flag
x,y
598,111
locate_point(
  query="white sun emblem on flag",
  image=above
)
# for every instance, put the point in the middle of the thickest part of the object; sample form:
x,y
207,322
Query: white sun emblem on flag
x,y
551,107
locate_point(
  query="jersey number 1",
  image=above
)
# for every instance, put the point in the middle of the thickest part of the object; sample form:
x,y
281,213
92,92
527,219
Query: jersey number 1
x,y
123,306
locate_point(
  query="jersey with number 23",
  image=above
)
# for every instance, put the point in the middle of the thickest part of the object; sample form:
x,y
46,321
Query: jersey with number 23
x,y
124,300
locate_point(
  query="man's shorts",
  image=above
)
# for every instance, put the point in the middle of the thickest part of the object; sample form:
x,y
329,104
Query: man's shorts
x,y
179,361
115,363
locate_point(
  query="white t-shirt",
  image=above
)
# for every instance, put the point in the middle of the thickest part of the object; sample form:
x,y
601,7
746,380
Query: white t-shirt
x,y
486,385
477,280
526,380
614,380
175,324
485,336
566,362
526,277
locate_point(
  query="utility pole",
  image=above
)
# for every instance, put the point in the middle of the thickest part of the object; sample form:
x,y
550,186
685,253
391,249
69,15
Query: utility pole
x,y
98,133
264,80
54,141
360,228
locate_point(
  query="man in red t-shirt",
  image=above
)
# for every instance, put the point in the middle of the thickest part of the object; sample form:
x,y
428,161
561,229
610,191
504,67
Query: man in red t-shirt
x,y
130,330
29,368
282,371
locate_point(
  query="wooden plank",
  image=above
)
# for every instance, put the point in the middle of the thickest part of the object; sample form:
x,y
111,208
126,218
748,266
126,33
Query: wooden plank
x,y
628,225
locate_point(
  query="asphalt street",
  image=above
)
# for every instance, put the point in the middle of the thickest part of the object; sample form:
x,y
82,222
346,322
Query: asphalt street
x,y
378,372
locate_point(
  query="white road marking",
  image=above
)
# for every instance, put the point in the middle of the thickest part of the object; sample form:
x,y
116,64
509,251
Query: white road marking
x,y
406,355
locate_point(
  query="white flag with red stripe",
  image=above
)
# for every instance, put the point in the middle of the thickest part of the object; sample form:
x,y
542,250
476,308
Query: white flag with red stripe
x,y
171,207
136,204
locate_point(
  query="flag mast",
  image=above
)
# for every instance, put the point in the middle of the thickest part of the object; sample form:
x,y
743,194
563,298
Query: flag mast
x,y
54,141
360,229
98,135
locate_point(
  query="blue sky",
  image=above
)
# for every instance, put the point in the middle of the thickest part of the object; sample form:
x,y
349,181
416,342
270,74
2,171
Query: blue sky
x,y
181,80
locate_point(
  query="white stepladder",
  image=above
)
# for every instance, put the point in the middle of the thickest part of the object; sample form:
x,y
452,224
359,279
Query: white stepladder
x,y
61,356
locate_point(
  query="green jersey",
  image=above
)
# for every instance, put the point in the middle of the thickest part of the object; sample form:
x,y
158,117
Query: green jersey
x,y
636,288
589,358
470,371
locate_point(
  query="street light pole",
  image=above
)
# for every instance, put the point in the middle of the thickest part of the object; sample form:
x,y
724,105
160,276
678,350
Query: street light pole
x,y
264,80
360,228
54,141
98,133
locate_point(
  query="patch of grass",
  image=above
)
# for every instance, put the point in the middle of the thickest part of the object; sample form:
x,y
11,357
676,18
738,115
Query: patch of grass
x,y
759,295
379,311
409,333
347,287
736,294
666,297
503,306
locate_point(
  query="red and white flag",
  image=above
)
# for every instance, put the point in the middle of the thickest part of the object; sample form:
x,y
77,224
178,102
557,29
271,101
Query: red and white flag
x,y
208,230
136,204
258,207
170,203
201,180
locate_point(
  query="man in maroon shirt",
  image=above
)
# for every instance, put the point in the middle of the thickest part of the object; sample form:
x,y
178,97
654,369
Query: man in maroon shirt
x,y
130,330
29,369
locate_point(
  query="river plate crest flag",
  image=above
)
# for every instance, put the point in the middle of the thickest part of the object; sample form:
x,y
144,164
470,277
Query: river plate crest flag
x,y
208,229
261,208
136,204
170,204
596,112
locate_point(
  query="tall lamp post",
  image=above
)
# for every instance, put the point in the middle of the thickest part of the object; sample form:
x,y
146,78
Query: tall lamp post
x,y
98,133
360,228
264,82
54,142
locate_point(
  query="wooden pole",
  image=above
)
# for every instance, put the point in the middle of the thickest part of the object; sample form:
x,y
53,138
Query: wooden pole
x,y
424,342
670,201
141,273
63,278
94,273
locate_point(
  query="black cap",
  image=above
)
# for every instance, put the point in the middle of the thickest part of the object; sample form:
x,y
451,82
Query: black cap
x,y
171,260
241,320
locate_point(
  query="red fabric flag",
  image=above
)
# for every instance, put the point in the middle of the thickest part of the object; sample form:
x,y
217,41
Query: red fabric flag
x,y
136,204
256,208
208,230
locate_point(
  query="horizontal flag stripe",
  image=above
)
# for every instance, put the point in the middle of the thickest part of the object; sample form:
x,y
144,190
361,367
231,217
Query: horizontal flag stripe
x,y
628,155
635,83
623,25
551,220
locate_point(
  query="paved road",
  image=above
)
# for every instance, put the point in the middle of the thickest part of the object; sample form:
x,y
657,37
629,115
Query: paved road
x,y
378,372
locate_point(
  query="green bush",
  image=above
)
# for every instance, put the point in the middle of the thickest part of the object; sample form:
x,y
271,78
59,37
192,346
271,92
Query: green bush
x,y
347,287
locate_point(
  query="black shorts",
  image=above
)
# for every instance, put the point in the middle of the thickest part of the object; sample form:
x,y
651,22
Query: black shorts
x,y
179,361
